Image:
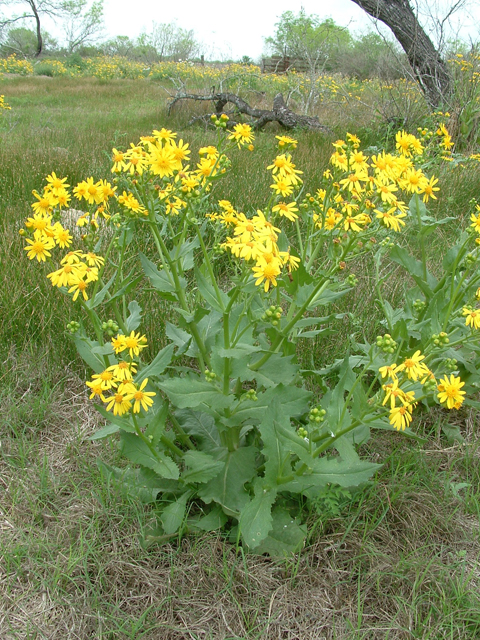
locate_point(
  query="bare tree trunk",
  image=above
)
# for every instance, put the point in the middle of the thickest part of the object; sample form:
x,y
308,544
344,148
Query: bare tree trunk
x,y
39,32
428,66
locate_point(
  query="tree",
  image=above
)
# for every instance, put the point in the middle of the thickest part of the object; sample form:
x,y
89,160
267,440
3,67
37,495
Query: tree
x,y
168,42
23,41
305,37
83,24
429,68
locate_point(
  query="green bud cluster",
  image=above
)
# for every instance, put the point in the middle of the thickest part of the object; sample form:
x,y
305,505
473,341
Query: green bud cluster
x,y
110,327
219,249
273,315
352,280
317,415
73,327
387,243
450,364
303,433
430,385
386,343
470,260
440,339
210,376
419,305
219,121
251,394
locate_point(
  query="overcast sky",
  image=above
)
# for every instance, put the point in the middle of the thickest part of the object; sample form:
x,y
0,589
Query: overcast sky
x,y
232,30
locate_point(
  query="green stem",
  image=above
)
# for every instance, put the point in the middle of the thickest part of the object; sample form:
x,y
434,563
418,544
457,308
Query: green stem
x,y
422,239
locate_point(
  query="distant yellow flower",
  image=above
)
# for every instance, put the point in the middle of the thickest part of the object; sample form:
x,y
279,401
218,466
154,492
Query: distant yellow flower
x,y
78,285
123,371
390,220
284,141
414,367
266,271
119,402
288,211
39,247
142,399
242,134
282,186
134,343
164,134
449,392
400,417
472,317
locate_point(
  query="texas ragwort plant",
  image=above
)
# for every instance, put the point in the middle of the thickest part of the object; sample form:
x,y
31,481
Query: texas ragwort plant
x,y
221,428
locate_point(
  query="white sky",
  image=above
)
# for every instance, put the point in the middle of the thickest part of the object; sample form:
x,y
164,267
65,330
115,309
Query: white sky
x,y
231,30
234,29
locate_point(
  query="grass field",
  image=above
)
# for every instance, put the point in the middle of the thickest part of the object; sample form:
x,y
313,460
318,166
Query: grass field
x,y
398,560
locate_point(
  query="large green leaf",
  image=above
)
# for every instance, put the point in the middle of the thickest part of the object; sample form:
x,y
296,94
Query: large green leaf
x,y
158,364
209,294
201,426
173,516
212,521
84,347
136,450
277,370
228,488
201,467
159,279
255,519
285,537
135,317
192,392
415,269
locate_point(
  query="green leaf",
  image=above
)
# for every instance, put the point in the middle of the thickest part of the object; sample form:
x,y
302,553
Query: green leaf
x,y
415,269
158,364
286,536
173,516
158,279
191,392
155,419
452,433
136,450
209,294
143,484
99,297
135,317
181,339
201,426
255,519
84,347
106,431
227,488
277,370
202,467
214,520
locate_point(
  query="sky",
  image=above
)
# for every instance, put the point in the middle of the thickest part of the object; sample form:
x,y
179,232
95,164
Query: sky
x,y
230,31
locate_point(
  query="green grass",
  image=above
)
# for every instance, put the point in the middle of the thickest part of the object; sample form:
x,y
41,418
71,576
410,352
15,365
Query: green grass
x,y
398,561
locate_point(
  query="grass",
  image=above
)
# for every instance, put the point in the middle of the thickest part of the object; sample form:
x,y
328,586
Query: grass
x,y
398,560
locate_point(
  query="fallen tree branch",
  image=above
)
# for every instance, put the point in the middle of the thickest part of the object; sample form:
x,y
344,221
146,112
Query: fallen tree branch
x,y
279,113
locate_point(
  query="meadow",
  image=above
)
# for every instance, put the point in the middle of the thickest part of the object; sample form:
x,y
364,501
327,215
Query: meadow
x,y
397,558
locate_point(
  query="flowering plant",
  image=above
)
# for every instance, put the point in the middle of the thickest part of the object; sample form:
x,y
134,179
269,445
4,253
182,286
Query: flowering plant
x,y
219,425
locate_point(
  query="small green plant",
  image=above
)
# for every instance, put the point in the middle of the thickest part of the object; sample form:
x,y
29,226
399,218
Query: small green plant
x,y
219,426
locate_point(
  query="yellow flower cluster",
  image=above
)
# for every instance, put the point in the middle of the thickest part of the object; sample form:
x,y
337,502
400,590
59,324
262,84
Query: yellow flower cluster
x,y
414,369
15,65
124,391
3,105
118,379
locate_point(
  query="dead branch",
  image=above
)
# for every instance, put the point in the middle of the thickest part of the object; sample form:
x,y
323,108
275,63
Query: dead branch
x,y
279,113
